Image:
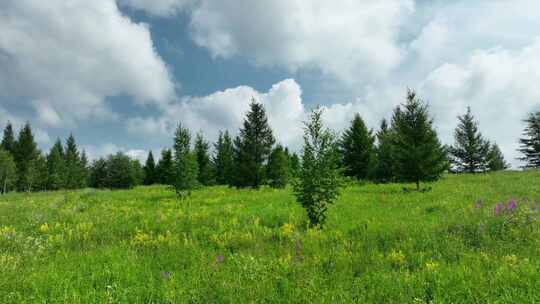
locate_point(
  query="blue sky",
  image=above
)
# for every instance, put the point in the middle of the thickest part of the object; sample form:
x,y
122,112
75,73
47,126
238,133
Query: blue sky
x,y
120,74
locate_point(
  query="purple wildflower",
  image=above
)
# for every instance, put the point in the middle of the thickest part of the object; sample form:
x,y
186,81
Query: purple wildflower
x,y
220,258
499,208
512,205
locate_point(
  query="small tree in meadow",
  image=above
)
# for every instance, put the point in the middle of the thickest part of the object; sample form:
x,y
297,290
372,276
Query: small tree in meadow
x,y
418,153
165,170
185,163
470,152
150,170
496,161
356,147
320,177
278,171
206,172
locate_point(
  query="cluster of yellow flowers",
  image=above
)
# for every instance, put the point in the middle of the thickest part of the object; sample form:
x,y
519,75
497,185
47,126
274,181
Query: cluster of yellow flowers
x,y
143,239
287,230
397,258
7,232
9,262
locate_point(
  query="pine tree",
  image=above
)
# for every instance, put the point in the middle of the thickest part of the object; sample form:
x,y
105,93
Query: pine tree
x,y
56,167
85,170
8,171
252,148
223,160
206,174
74,178
278,169
384,163
294,164
470,151
496,161
8,141
418,152
26,156
185,162
150,170
320,176
530,143
356,148
165,171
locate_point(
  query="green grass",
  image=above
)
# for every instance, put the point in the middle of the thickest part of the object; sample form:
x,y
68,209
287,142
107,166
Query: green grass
x,y
380,245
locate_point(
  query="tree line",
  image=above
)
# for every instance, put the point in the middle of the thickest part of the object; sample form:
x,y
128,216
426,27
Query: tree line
x,y
404,149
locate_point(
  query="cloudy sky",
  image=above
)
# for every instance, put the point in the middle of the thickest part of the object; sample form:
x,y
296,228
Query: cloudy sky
x,y
120,74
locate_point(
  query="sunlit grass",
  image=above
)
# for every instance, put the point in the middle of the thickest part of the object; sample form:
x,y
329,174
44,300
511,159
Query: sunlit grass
x,y
380,244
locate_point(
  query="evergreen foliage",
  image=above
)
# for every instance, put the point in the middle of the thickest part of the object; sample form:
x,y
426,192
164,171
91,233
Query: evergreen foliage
x,y
8,171
8,140
416,148
74,172
150,170
530,143
185,163
206,175
165,169
320,176
56,167
496,161
357,151
223,160
278,169
294,165
384,162
252,148
470,151
26,157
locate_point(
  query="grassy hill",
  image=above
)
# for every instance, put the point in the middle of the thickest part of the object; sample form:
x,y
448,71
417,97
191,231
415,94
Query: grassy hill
x,y
380,245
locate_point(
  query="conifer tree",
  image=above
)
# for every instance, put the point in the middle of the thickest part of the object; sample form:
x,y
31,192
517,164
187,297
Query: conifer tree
x,y
278,169
496,161
73,173
137,171
206,174
119,172
252,148
419,155
8,171
185,162
223,160
56,167
150,170
294,164
470,151
356,148
8,140
85,170
39,174
530,143
165,171
98,174
384,162
320,176
26,156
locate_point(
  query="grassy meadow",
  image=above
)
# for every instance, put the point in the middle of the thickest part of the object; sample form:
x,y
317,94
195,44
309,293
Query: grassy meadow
x,y
380,245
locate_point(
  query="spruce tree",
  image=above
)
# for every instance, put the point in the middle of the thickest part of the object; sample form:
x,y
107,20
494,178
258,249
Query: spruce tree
x,y
356,148
185,162
252,148
470,151
530,143
165,171
320,176
56,167
8,171
85,170
278,169
384,163
8,141
137,171
496,161
150,170
223,160
26,156
417,150
206,174
74,178
39,174
98,174
294,164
